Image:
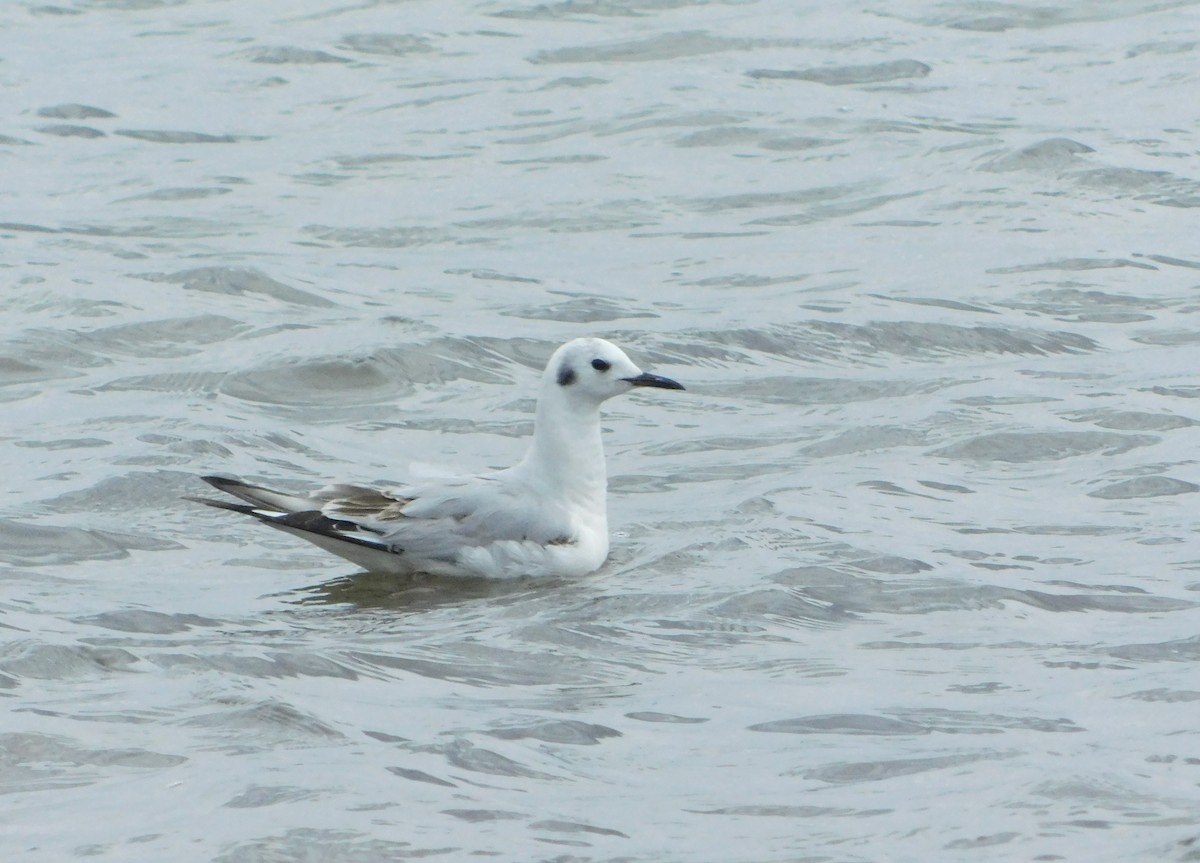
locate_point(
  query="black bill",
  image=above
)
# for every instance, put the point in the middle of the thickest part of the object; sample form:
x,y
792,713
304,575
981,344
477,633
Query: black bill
x,y
645,379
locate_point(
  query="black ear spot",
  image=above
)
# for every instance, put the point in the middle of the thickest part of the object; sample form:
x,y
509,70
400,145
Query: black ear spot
x,y
566,375
601,365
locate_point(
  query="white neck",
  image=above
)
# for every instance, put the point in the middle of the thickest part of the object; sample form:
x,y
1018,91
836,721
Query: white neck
x,y
566,455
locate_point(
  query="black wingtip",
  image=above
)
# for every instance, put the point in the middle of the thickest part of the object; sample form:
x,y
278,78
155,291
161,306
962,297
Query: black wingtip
x,y
310,521
222,482
244,509
316,522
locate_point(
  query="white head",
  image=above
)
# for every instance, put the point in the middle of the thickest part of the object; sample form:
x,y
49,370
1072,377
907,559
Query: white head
x,y
594,370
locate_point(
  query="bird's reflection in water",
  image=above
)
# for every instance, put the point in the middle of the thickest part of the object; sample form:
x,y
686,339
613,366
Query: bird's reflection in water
x,y
371,590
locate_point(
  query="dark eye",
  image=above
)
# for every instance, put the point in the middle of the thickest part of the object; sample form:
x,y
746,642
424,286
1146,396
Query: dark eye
x,y
601,365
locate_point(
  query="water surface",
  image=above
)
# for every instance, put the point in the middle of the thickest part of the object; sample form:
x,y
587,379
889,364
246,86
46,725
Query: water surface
x,y
908,572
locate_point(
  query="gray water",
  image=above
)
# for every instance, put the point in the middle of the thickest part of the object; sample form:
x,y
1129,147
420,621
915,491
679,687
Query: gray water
x,y
907,574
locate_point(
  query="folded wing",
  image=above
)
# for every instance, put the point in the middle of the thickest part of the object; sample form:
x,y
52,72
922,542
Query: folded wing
x,y
420,523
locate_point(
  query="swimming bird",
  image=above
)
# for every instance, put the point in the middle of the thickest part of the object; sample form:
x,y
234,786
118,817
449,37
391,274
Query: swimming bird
x,y
545,516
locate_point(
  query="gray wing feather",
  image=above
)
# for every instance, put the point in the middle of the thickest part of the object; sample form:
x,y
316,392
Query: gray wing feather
x,y
434,520
437,519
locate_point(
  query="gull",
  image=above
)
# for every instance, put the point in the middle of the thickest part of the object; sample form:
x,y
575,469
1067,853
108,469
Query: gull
x,y
545,516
